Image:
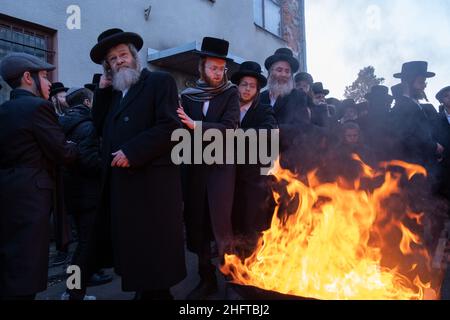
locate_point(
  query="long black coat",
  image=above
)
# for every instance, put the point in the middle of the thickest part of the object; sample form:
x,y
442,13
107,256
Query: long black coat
x,y
414,133
32,143
442,132
253,201
209,189
141,205
291,109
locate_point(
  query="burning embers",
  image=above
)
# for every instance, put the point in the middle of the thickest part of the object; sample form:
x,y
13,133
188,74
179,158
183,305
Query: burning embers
x,y
340,242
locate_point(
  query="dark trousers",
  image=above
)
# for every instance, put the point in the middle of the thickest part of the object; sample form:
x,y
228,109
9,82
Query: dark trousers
x,y
206,269
84,223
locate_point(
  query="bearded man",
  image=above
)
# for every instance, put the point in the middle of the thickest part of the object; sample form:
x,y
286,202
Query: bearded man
x,y
134,112
281,94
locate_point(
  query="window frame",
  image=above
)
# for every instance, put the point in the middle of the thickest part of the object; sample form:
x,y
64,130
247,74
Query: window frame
x,y
263,10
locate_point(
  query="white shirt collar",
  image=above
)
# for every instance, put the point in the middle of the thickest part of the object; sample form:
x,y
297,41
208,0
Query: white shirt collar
x,y
246,106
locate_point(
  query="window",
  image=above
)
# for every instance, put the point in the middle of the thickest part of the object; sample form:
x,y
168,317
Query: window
x,y
18,36
267,15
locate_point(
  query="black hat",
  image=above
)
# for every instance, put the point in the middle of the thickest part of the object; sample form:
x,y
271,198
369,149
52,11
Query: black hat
x,y
304,76
397,90
379,92
56,88
250,69
95,82
318,88
215,48
414,69
440,94
15,64
111,38
349,103
283,54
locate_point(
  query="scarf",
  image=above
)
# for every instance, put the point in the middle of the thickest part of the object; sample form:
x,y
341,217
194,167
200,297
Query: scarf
x,y
202,92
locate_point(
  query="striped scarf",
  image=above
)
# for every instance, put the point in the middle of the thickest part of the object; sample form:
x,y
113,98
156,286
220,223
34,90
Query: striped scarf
x,y
202,92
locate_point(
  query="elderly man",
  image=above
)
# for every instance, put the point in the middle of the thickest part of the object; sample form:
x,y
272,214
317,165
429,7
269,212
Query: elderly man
x,y
288,103
32,144
134,111
212,103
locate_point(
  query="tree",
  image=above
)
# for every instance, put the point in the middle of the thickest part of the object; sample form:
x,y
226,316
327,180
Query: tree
x,y
365,81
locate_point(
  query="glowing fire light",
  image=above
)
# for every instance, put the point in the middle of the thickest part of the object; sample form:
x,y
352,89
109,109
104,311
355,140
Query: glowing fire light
x,y
334,249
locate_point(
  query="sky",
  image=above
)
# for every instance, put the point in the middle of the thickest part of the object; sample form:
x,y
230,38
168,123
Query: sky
x,y
344,36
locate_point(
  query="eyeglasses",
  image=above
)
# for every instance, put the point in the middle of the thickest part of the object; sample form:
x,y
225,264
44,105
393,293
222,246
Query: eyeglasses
x,y
248,85
216,69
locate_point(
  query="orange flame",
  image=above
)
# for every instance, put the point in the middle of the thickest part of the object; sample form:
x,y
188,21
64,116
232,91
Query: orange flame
x,y
333,249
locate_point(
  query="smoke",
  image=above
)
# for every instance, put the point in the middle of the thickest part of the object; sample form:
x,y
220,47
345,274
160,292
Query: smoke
x,y
345,36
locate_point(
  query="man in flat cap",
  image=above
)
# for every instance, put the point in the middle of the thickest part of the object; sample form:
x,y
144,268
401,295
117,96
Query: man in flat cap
x,y
31,144
134,112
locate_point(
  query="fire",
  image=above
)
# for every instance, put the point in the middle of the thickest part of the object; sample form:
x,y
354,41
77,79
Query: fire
x,y
335,249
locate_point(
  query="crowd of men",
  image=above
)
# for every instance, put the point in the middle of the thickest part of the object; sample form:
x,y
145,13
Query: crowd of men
x,y
108,146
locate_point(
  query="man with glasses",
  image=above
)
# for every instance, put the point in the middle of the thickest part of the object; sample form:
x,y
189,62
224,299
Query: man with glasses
x,y
253,203
213,103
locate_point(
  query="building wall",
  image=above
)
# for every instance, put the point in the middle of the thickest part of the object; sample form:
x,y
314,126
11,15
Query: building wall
x,y
171,23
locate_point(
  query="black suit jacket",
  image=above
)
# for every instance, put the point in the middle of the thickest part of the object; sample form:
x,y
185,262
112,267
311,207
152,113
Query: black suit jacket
x,y
253,203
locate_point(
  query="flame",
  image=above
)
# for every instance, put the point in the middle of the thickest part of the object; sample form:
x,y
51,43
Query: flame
x,y
333,246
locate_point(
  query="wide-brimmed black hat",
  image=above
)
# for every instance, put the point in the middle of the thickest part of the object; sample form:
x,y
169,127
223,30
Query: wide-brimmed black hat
x,y
379,92
283,54
304,76
111,38
56,88
95,82
250,69
440,94
318,88
414,69
215,48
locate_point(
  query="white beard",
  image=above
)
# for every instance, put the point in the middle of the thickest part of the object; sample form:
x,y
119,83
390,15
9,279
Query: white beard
x,y
278,89
125,78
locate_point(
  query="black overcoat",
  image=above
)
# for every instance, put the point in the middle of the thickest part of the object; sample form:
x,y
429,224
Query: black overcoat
x,y
32,144
140,217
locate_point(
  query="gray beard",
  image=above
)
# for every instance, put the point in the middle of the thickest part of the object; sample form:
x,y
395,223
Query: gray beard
x,y
125,78
278,89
